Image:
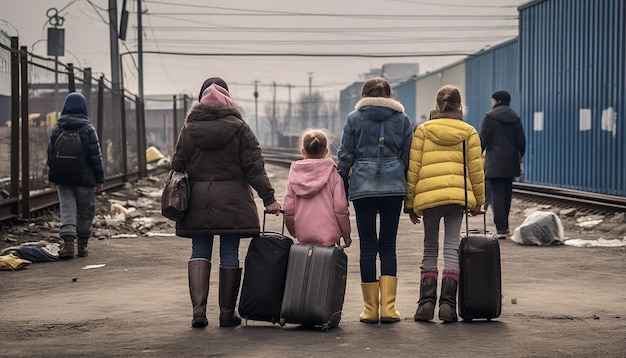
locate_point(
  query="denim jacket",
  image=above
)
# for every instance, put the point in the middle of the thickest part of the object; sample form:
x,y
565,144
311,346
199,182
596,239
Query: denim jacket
x,y
369,166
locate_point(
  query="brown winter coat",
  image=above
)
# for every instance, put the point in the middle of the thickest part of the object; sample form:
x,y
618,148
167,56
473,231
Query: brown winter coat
x,y
223,159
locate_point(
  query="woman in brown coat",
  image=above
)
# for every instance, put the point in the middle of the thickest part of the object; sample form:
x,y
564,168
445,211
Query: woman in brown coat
x,y
223,159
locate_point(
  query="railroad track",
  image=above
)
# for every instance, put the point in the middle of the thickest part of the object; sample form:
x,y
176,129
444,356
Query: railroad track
x,y
592,202
587,201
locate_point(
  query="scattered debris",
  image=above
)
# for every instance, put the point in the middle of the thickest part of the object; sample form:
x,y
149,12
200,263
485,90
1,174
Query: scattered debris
x,y
540,228
89,267
596,243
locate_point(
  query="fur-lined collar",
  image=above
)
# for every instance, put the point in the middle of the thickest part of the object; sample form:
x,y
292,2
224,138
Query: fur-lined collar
x,y
380,102
203,112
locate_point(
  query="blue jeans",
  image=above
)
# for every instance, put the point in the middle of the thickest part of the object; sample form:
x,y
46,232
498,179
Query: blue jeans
x,y
452,219
382,243
78,207
202,248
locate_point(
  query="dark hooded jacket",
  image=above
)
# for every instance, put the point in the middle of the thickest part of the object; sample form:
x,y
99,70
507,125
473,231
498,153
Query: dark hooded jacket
x,y
503,139
223,159
74,116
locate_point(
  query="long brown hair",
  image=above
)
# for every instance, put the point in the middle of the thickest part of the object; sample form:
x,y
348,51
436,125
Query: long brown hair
x,y
376,87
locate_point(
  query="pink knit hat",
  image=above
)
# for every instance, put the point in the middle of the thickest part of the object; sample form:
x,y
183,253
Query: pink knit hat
x,y
218,96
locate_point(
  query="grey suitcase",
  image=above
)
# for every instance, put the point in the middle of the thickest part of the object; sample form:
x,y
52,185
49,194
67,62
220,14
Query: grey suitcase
x,y
315,286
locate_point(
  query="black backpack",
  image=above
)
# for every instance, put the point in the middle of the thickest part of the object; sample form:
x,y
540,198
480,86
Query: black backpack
x,y
68,164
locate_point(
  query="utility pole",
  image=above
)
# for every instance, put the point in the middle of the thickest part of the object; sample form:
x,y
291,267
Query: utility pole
x,y
115,71
310,106
256,109
289,87
274,121
140,49
56,48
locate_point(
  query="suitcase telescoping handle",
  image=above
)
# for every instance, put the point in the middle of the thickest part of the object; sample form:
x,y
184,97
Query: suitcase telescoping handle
x,y
466,204
282,231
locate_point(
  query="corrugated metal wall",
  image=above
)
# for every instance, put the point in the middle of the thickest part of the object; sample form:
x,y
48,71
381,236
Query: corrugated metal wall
x,y
406,94
572,93
486,72
429,84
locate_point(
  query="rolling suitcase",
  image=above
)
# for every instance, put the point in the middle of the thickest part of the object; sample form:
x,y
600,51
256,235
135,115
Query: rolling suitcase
x,y
264,274
480,281
315,286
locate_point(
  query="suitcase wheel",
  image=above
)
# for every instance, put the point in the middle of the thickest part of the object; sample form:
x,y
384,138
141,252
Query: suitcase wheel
x,y
282,322
325,327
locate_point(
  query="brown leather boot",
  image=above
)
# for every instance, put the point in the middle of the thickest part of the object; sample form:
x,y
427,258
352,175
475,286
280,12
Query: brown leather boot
x,y
82,246
67,252
428,295
229,290
199,271
447,298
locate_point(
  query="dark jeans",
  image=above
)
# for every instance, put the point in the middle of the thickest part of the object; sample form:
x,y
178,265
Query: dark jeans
x,y
501,194
202,248
381,243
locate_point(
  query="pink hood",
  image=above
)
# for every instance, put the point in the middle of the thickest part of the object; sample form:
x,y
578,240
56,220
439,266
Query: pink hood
x,y
309,176
315,203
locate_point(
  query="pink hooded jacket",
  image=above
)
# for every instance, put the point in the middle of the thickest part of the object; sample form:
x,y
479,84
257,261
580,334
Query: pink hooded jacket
x,y
315,204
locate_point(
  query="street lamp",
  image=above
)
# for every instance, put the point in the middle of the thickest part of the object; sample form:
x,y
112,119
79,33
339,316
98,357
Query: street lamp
x,y
56,46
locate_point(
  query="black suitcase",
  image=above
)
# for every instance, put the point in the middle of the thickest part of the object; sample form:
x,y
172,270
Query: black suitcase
x,y
264,275
315,286
480,281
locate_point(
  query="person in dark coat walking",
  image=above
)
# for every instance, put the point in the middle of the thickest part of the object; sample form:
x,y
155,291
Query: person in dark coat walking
x,y
504,143
77,198
223,159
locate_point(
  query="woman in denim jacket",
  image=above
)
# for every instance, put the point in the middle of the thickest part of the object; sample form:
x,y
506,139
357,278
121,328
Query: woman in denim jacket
x,y
373,159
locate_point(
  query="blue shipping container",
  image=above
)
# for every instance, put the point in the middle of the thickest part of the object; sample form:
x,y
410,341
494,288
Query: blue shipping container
x,y
572,74
486,72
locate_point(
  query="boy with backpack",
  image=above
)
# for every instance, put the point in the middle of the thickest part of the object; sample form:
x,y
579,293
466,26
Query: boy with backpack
x,y
76,168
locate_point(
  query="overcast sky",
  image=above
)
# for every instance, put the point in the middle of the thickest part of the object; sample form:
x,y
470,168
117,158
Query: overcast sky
x,y
341,35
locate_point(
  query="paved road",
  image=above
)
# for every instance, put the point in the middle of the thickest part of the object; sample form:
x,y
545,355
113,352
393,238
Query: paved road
x,y
570,302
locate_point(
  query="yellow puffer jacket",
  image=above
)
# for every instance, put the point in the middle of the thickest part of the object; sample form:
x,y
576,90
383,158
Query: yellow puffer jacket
x,y
435,175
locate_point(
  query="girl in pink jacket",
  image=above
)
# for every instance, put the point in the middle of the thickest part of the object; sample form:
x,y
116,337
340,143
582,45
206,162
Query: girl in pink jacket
x,y
315,204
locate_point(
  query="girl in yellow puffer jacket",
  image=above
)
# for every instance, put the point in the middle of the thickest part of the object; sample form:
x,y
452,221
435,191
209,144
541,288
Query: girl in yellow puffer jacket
x,y
436,189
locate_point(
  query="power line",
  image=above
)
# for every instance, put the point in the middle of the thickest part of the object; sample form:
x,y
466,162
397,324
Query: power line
x,y
249,12
184,42
359,30
285,54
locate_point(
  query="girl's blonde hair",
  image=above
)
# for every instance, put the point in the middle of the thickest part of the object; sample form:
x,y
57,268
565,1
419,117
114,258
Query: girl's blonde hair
x,y
314,142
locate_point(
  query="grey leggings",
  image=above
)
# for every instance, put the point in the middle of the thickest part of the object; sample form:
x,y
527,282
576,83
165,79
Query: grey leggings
x,y
452,217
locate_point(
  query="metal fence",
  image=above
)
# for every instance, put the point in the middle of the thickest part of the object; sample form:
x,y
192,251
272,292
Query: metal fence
x,y
32,93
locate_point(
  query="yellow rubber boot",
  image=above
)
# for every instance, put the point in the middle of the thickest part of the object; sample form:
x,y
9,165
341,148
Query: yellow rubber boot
x,y
370,298
388,287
